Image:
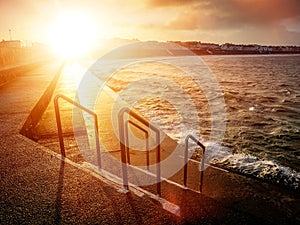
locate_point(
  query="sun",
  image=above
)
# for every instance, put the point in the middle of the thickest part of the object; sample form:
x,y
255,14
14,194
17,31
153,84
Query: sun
x,y
73,34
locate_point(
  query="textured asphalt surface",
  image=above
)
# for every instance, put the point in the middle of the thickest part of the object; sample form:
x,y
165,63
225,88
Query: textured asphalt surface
x,y
37,187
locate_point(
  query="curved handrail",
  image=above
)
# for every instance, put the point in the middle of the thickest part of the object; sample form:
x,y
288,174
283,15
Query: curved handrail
x,y
59,127
186,159
122,145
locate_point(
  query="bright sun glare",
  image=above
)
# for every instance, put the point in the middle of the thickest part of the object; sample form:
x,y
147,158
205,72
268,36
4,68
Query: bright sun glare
x,y
72,35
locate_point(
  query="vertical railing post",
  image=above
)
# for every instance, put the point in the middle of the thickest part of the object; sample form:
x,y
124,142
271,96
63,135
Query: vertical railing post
x,y
147,151
59,129
122,146
97,141
202,170
127,142
158,172
186,160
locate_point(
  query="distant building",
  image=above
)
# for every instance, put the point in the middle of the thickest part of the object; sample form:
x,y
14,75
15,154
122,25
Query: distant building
x,y
11,43
209,45
250,48
231,47
263,49
200,45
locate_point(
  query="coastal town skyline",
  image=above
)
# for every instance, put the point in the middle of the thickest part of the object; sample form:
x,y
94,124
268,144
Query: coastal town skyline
x,y
270,23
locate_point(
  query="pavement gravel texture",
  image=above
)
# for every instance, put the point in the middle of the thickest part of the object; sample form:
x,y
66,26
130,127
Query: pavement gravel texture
x,y
38,187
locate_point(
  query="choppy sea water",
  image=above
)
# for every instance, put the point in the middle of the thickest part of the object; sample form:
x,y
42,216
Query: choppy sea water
x,y
262,102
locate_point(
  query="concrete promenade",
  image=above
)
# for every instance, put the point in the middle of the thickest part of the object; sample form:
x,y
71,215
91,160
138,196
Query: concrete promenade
x,y
39,187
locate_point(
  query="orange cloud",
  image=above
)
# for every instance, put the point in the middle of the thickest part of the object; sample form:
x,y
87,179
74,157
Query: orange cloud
x,y
167,3
214,14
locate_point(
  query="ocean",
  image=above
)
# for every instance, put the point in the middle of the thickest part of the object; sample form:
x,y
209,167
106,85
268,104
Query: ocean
x,y
260,95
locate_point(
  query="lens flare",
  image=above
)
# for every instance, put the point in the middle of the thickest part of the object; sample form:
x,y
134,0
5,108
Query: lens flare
x,y
72,35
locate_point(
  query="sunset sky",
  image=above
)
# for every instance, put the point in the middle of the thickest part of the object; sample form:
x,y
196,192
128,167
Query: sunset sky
x,y
272,22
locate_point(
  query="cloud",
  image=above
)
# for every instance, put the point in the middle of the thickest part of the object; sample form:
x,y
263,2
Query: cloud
x,y
214,14
209,20
240,21
267,36
169,3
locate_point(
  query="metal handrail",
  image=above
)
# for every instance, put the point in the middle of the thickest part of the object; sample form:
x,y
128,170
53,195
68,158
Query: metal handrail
x,y
122,146
59,127
186,159
127,140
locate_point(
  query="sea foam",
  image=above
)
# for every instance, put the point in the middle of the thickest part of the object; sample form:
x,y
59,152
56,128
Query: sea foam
x,y
253,166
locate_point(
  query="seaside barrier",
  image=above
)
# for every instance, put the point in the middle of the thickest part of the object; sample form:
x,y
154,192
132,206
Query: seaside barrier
x,y
124,143
191,137
122,133
9,73
40,107
59,127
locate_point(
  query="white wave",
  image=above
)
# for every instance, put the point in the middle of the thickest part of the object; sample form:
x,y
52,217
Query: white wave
x,y
251,165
